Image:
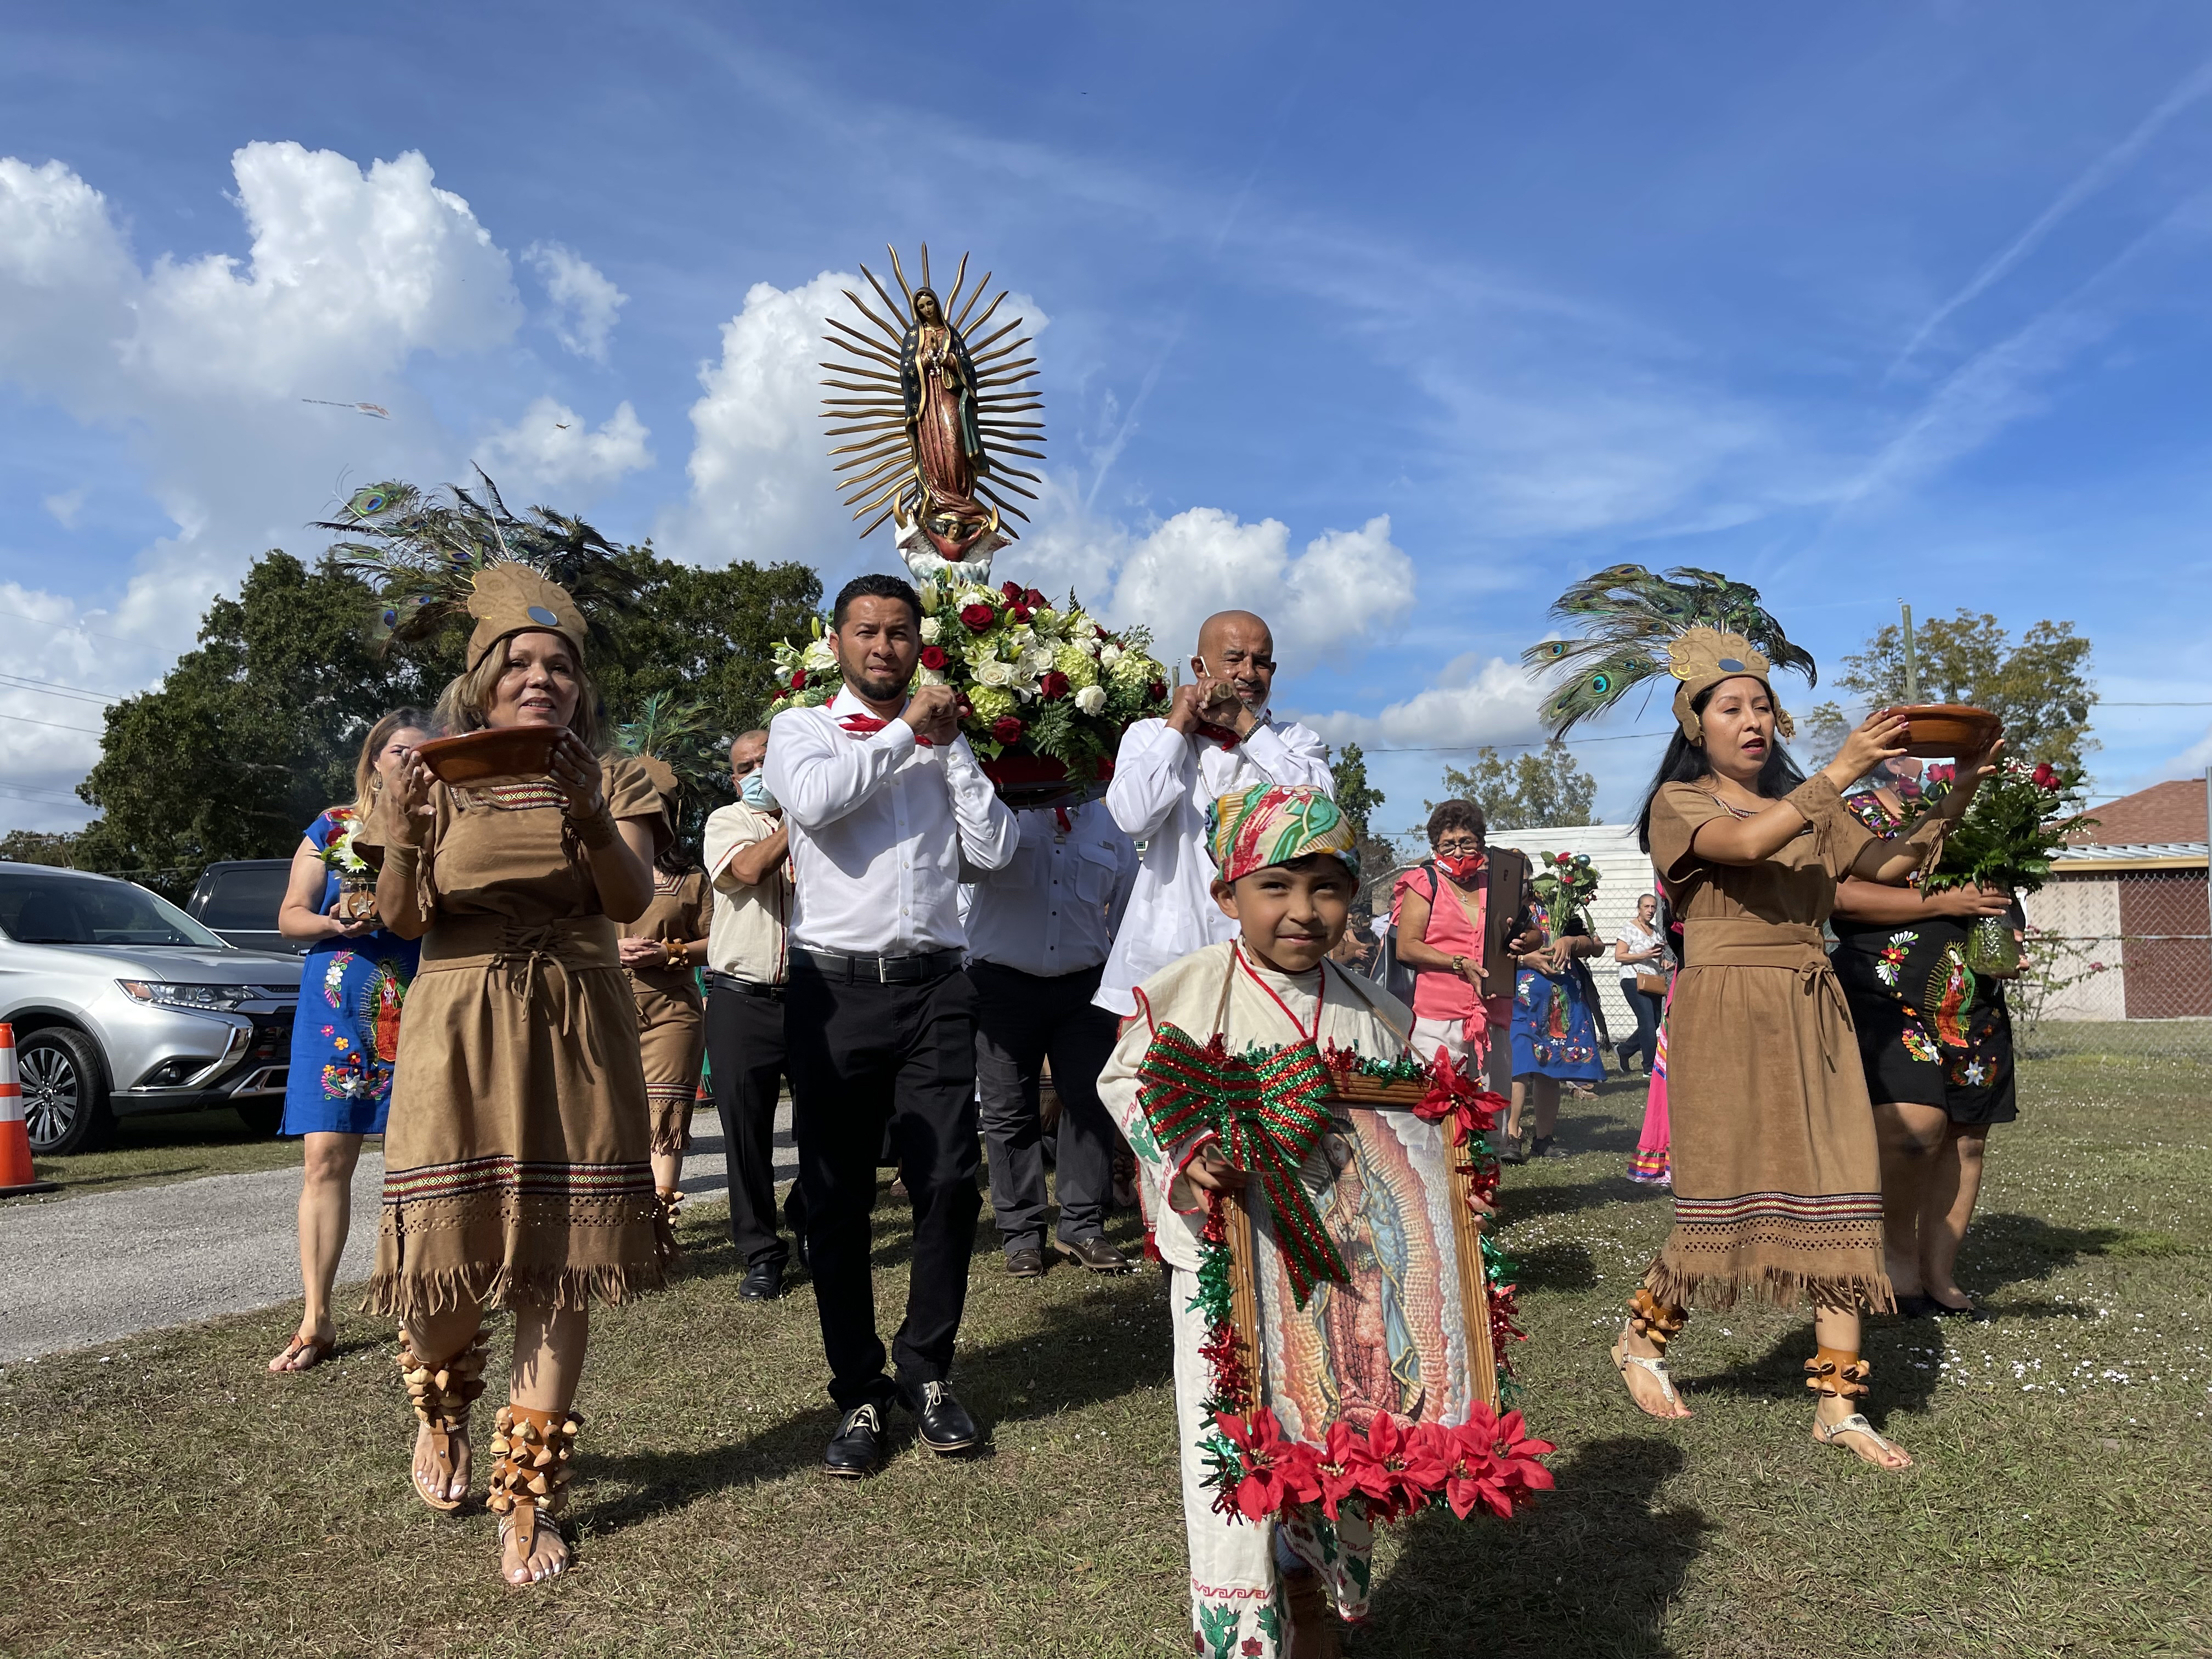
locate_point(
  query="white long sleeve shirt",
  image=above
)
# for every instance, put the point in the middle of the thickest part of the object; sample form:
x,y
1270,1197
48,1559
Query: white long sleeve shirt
x,y
1054,907
1163,783
879,825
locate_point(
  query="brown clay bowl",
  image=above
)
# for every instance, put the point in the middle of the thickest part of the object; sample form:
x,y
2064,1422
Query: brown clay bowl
x,y
480,760
1945,731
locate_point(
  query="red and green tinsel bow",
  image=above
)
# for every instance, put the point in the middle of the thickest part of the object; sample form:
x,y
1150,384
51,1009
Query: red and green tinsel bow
x,y
1268,1112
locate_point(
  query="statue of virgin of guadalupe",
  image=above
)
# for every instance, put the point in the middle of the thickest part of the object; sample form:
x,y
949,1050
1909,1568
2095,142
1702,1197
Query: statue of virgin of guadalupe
x,y
938,382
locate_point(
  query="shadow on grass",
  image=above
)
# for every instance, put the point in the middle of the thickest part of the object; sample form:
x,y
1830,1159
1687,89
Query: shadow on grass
x,y
1590,1568
2008,1249
1059,1364
1558,1266
1903,1355
1523,1202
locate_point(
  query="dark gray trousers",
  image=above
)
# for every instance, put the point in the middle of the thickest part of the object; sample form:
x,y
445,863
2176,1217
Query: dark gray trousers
x,y
1021,1020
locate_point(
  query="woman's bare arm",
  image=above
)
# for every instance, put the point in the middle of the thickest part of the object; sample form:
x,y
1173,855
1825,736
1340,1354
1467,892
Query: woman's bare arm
x,y
300,915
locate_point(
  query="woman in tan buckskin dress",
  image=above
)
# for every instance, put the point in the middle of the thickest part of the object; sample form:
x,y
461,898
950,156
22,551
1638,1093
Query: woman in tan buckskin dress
x,y
663,950
1777,1182
516,1152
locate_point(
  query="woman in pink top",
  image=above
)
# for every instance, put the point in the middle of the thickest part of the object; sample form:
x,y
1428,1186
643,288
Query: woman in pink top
x,y
1445,933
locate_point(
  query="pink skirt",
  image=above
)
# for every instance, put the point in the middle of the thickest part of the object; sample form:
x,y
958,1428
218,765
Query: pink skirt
x,y
1649,1163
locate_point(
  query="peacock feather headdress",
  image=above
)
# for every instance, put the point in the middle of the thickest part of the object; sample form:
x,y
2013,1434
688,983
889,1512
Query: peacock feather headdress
x,y
426,557
676,739
1697,627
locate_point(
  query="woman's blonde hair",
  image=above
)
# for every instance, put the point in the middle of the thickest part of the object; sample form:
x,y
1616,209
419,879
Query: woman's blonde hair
x,y
461,705
364,770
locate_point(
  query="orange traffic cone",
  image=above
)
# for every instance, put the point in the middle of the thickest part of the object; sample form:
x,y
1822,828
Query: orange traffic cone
x,y
16,1175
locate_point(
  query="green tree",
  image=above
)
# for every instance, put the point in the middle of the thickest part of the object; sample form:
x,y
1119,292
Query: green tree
x,y
38,847
1537,790
1357,798
2040,688
251,734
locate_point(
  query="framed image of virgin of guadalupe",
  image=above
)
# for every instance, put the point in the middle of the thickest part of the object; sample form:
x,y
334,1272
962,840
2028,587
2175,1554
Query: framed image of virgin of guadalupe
x,y
1408,1328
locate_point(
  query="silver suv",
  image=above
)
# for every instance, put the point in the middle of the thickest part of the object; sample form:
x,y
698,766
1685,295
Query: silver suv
x,y
123,1004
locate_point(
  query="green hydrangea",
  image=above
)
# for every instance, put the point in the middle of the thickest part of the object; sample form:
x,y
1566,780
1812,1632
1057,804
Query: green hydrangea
x,y
1072,662
1133,671
989,703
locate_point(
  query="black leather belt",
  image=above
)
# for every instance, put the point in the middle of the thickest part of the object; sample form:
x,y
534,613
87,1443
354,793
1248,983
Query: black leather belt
x,y
744,988
916,970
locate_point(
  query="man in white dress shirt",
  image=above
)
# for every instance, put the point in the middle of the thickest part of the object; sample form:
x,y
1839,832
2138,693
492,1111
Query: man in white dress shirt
x,y
1038,933
884,803
1217,736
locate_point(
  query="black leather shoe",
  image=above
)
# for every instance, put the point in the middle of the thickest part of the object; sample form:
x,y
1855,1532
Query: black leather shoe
x,y
1095,1254
1028,1262
763,1282
856,1450
942,1421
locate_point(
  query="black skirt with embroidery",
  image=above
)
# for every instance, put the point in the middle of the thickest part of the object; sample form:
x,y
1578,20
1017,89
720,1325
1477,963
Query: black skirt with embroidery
x,y
1932,1032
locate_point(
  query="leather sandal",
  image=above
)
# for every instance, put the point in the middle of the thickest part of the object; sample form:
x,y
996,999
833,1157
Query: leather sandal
x,y
1622,1359
530,1481
1656,1322
1828,1433
315,1350
443,1394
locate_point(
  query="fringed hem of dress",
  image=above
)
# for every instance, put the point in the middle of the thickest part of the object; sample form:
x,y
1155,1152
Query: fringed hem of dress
x,y
1684,1285
496,1285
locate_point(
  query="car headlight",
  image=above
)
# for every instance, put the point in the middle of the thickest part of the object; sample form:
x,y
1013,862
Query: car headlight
x,y
213,998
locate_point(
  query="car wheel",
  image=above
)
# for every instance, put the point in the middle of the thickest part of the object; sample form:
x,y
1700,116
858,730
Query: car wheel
x,y
65,1106
261,1117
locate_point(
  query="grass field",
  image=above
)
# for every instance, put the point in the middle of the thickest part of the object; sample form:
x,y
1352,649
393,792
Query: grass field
x,y
150,1151
165,1496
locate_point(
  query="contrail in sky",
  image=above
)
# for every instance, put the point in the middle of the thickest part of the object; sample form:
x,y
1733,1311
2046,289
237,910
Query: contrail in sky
x,y
2093,179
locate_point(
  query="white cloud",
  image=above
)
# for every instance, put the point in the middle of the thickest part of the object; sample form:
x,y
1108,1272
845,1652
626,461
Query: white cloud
x,y
550,449
203,363
1473,702
65,507
1345,587
585,300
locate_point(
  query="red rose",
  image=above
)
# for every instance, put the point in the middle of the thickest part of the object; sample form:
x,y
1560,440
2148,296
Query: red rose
x,y
1156,690
1053,686
1034,600
2046,775
978,616
1006,729
932,656
1019,612
1013,593
798,679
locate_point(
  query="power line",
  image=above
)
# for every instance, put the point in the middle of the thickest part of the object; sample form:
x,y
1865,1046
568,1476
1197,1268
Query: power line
x,y
70,627
25,719
52,688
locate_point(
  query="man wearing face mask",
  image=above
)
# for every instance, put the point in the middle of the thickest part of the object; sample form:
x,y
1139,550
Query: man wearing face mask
x,y
1219,735
748,959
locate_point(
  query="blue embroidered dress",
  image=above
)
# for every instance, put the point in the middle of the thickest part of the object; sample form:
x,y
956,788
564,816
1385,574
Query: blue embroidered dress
x,y
1554,1027
346,1035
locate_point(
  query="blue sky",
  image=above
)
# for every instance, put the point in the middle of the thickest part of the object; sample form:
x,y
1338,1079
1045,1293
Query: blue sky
x,y
1386,323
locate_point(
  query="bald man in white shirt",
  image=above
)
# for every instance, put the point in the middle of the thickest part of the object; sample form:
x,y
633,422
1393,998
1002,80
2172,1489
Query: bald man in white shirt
x,y
1217,736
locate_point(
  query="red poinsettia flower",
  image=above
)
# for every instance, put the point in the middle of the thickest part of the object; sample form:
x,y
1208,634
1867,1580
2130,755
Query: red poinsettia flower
x,y
932,656
978,616
1054,686
1494,1464
1006,729
798,679
1342,1467
1276,1471
1406,1467
1019,612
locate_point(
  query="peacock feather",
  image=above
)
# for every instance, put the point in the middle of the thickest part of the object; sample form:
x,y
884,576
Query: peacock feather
x,y
421,554
681,734
1628,616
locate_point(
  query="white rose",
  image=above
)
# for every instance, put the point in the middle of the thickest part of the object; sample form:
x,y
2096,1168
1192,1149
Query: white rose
x,y
819,658
929,676
994,673
929,630
1109,655
1092,700
1037,661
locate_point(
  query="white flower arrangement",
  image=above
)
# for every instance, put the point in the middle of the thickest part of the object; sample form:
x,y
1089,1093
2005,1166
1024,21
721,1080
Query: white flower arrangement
x,y
1092,700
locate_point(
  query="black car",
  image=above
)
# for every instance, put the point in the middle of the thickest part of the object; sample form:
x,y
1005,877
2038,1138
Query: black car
x,y
238,899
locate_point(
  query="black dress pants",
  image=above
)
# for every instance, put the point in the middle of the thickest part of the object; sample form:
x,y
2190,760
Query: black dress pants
x,y
1021,1019
745,1051
861,1055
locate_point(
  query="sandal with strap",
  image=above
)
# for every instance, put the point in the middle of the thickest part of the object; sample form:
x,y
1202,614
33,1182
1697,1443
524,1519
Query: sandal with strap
x,y
443,1394
1622,1359
315,1350
1827,1434
529,1483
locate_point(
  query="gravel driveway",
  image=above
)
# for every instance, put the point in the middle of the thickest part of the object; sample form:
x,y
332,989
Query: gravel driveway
x,y
75,1272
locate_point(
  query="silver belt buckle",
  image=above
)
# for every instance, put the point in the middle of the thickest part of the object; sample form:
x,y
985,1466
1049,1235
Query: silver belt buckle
x,y
883,970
